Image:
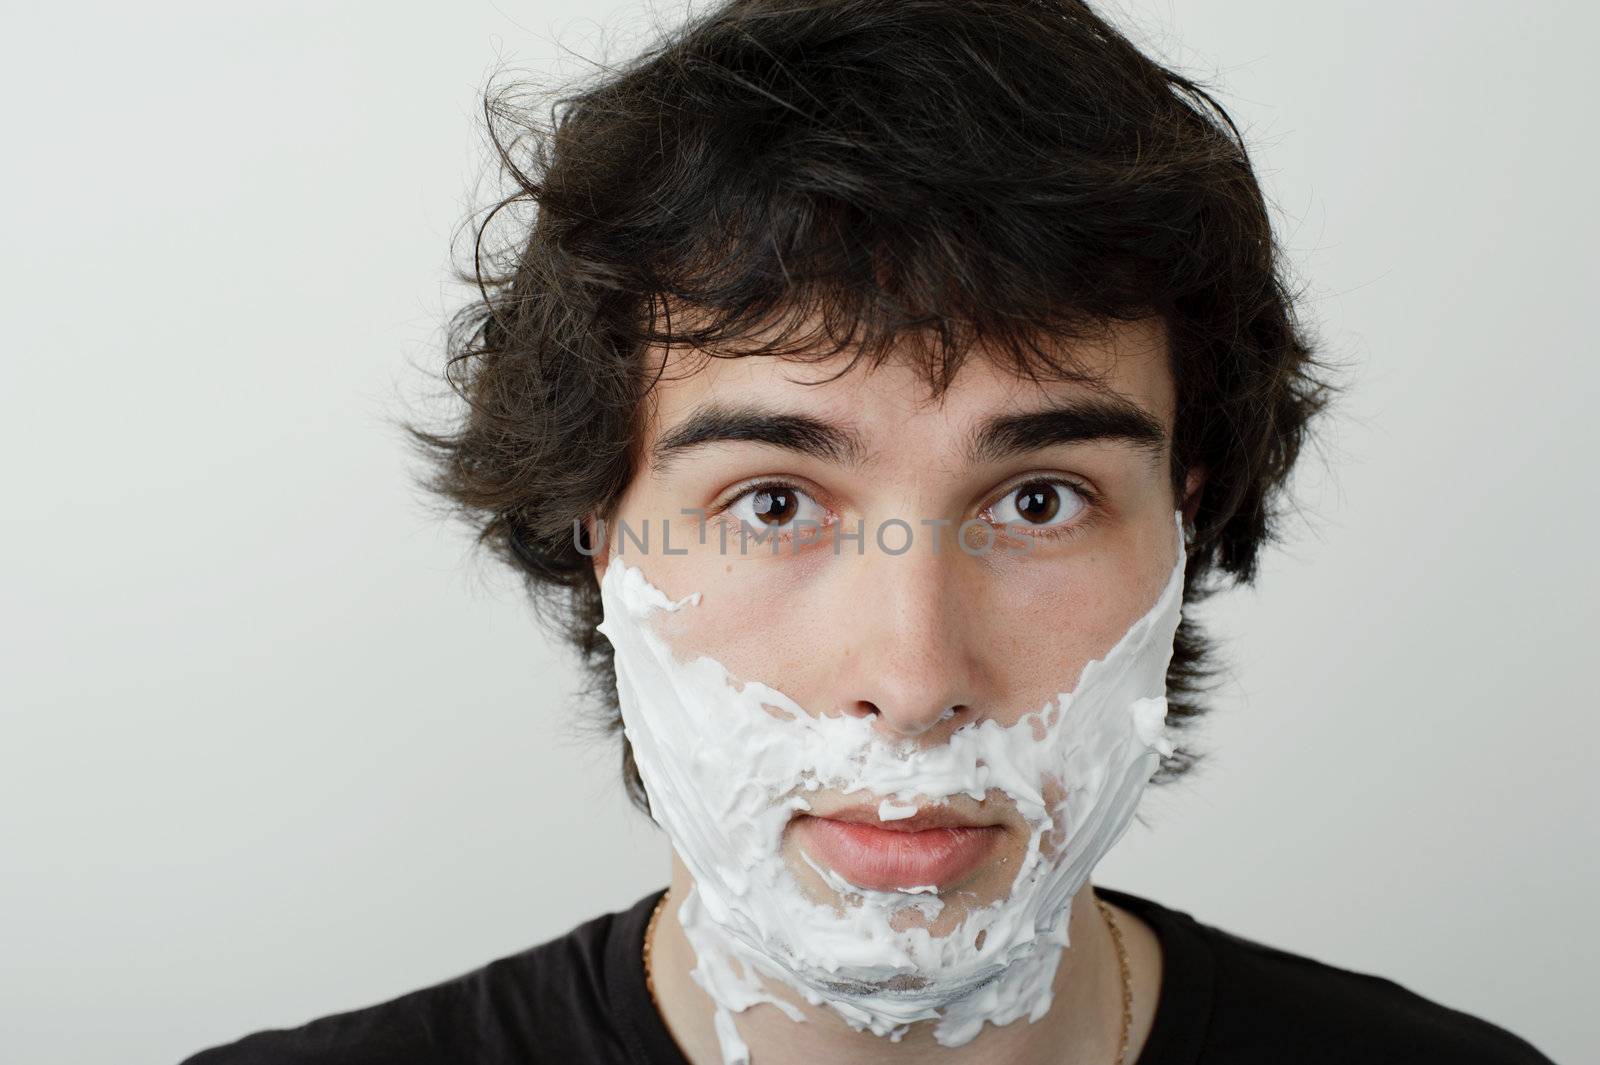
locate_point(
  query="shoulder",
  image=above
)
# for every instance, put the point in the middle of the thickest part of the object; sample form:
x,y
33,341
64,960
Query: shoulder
x,y
1357,1013
421,1026
541,1004
1266,1004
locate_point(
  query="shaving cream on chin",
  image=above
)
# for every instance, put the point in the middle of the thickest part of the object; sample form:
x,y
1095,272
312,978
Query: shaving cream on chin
x,y
728,763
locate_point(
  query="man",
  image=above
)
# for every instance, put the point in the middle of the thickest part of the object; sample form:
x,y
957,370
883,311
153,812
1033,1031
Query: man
x,y
878,381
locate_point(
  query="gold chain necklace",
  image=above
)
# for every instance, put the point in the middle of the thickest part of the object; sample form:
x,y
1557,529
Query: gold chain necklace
x,y
1105,910
649,934
1127,979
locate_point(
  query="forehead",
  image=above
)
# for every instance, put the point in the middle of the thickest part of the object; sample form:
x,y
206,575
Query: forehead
x,y
891,406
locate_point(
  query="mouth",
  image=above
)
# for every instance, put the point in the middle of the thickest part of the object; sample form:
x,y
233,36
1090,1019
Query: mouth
x,y
933,848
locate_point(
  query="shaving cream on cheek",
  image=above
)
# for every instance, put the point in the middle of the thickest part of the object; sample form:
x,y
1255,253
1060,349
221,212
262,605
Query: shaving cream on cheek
x,y
727,764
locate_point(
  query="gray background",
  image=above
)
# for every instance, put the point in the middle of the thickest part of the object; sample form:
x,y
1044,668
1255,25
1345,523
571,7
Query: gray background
x,y
275,746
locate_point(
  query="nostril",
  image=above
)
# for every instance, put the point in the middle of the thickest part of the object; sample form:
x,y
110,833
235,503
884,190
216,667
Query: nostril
x,y
905,725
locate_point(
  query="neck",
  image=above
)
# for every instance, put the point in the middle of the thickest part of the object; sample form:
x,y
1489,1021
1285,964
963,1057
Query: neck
x,y
1083,1025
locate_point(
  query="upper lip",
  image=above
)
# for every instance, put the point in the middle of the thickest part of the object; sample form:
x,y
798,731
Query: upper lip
x,y
926,817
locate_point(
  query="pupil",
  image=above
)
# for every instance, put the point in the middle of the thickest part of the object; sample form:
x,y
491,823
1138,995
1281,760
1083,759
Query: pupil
x,y
773,507
1037,502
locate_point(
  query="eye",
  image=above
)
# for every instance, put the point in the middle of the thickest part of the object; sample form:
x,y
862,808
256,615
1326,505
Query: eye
x,y
1041,502
775,507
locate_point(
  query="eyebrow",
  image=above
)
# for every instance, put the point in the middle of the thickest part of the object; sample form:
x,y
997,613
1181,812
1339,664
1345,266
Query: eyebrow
x,y
1101,419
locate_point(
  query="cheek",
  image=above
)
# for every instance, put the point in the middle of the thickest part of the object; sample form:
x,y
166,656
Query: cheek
x,y
762,623
1047,619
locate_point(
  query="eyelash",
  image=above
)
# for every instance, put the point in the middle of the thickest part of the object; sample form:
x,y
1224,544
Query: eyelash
x,y
719,509
1091,502
1068,531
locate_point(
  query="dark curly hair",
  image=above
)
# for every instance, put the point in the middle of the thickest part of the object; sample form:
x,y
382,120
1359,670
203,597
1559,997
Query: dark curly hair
x,y
912,177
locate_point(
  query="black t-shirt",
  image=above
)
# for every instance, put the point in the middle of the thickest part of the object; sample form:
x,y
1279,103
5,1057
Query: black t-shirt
x,y
582,998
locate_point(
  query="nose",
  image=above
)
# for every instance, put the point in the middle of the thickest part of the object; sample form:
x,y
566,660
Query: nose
x,y
909,643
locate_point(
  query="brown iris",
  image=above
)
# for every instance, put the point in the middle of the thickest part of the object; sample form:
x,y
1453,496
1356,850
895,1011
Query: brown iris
x,y
1037,502
774,506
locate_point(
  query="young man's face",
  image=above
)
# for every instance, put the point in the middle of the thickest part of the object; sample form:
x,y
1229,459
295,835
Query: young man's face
x,y
1066,494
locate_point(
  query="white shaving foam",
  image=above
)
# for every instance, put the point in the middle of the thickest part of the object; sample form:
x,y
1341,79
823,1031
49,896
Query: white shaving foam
x,y
727,765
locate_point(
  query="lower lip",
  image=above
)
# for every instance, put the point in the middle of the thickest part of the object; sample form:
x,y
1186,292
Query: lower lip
x,y
883,859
